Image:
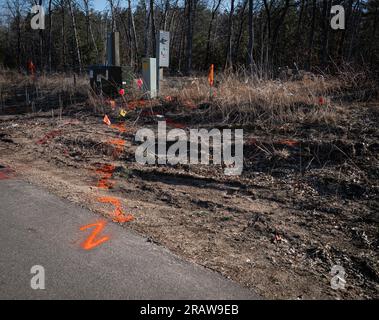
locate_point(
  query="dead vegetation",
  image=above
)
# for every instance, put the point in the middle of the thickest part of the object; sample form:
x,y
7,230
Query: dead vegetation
x,y
23,94
238,99
306,200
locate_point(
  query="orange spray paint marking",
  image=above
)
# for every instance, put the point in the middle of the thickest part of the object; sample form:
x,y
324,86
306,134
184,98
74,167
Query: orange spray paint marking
x,y
31,67
3,176
118,144
50,135
119,126
118,215
137,103
106,169
91,243
5,173
106,172
104,183
289,142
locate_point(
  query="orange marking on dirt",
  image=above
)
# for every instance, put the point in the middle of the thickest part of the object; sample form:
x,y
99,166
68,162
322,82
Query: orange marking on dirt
x,y
6,173
3,176
91,243
119,126
104,183
136,103
119,146
117,215
117,142
106,172
289,142
50,135
106,169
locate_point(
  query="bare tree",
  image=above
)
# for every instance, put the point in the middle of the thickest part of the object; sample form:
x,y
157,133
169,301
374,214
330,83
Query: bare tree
x,y
15,8
311,36
215,7
191,7
76,37
50,35
152,29
228,59
132,31
250,45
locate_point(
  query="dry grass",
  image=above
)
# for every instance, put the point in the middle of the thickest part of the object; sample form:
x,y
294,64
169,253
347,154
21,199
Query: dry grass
x,y
45,92
236,99
52,82
242,100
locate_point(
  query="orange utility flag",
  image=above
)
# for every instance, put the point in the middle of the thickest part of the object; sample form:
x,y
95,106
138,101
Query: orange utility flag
x,y
31,67
106,120
211,75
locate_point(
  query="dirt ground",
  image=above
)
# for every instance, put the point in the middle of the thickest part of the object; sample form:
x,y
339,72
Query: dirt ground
x,y
307,198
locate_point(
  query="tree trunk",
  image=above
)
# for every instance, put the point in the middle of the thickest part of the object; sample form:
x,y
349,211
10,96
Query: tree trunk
x,y
64,56
311,37
250,60
214,12
188,68
275,35
153,32
238,39
75,35
50,36
325,32
229,60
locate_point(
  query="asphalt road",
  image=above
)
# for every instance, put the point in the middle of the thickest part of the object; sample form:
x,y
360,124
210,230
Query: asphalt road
x,y
38,228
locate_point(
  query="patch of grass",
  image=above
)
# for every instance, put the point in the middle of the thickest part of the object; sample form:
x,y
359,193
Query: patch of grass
x,y
240,99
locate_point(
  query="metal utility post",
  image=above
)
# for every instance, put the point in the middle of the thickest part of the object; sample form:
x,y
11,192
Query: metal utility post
x,y
163,54
113,49
149,74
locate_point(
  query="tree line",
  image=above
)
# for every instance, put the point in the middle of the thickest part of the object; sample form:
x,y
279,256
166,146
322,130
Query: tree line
x,y
258,35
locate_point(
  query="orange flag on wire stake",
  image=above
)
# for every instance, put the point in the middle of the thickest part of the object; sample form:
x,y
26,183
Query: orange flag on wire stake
x,y
211,75
106,120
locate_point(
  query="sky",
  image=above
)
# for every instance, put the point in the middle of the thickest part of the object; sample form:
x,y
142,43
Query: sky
x,y
99,4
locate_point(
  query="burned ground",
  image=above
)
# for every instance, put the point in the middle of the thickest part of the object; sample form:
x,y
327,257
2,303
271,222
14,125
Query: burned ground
x,y
307,198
